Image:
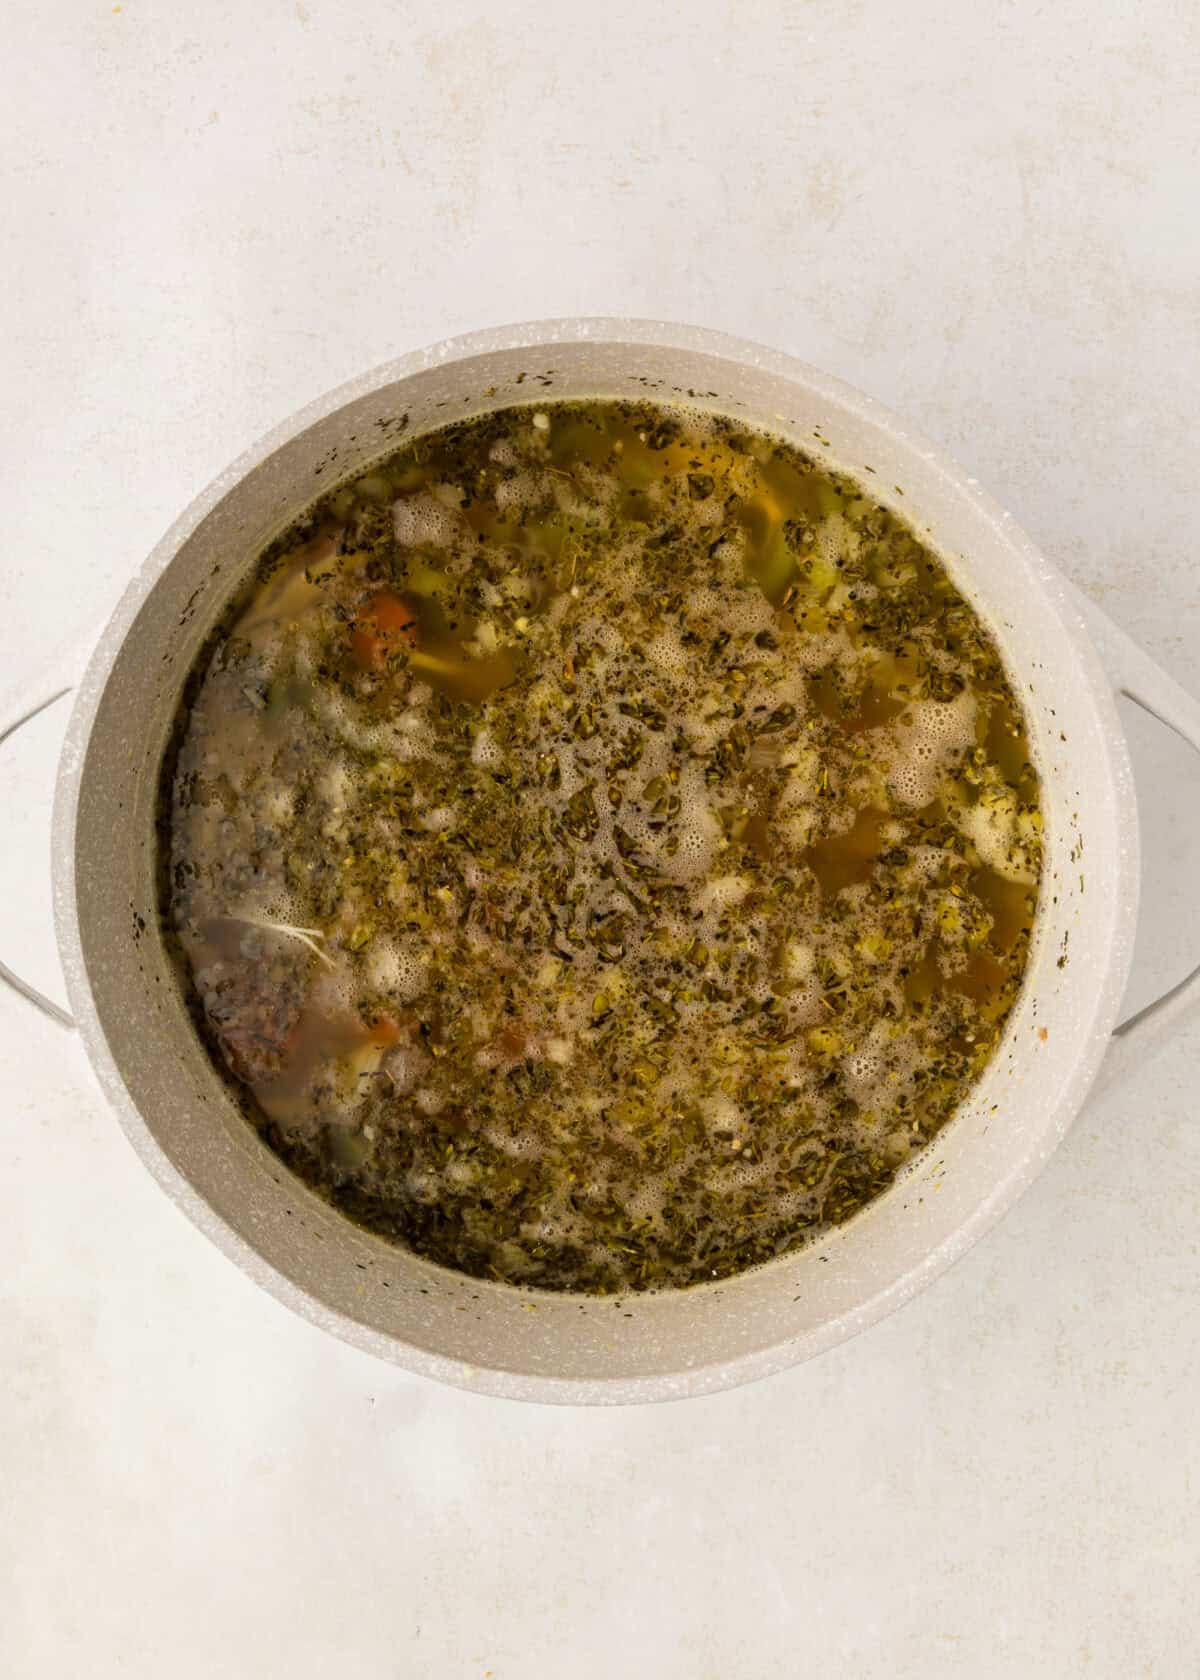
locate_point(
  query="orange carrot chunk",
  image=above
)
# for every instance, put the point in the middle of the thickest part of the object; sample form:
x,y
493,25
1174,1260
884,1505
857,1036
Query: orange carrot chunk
x,y
385,624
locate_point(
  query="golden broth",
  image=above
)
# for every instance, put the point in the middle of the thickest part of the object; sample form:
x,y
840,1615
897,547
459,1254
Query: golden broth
x,y
600,846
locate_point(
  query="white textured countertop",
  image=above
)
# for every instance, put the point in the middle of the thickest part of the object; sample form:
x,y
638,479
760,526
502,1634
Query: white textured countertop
x,y
985,216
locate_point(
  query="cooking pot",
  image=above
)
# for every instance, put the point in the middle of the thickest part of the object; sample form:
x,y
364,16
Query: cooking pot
x,y
1066,661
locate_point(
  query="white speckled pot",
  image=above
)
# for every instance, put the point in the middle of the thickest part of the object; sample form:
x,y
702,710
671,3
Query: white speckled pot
x,y
501,1340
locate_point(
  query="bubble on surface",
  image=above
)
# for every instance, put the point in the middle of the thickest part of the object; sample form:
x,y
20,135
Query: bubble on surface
x,y
424,519
933,736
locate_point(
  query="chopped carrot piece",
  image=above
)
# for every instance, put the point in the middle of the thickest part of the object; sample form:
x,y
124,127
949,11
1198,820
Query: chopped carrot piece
x,y
385,1031
385,624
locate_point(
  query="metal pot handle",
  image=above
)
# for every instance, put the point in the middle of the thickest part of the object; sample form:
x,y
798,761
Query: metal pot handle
x,y
1135,675
55,1011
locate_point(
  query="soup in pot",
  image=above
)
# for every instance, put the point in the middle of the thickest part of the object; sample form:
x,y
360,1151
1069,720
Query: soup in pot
x,y
600,846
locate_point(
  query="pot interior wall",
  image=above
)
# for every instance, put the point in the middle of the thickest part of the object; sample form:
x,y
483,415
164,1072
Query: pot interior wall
x,y
496,1336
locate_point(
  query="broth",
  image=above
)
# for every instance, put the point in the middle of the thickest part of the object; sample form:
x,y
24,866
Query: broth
x,y
600,846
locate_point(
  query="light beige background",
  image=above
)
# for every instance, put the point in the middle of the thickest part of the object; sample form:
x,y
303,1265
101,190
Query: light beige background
x,y
984,215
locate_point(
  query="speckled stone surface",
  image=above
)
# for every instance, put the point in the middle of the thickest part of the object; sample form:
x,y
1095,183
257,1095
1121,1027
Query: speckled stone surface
x,y
993,235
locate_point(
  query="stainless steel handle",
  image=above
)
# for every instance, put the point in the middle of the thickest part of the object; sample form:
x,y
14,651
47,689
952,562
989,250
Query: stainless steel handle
x,y
39,1000
1135,675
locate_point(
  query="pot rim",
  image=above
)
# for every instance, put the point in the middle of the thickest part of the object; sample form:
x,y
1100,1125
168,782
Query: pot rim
x,y
495,1380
